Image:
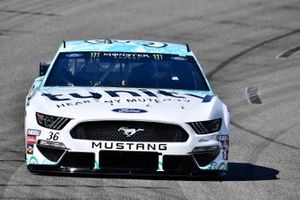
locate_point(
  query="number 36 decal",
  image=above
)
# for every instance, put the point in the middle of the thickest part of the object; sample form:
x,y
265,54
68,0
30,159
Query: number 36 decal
x,y
53,136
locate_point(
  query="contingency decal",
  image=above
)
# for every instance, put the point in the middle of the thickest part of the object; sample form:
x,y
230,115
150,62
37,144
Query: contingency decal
x,y
31,139
33,132
30,148
224,141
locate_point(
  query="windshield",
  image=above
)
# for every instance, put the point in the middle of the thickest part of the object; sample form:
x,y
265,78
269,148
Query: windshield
x,y
138,70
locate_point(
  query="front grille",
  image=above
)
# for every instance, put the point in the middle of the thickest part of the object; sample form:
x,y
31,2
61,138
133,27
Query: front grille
x,y
78,160
125,160
51,153
178,163
205,157
123,131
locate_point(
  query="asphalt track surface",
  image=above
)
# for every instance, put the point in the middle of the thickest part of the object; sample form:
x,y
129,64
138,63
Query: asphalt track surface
x,y
238,42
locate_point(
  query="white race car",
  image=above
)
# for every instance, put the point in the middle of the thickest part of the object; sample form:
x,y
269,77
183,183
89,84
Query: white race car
x,y
124,106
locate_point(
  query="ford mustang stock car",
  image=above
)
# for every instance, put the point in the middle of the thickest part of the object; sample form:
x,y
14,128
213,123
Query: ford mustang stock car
x,y
124,106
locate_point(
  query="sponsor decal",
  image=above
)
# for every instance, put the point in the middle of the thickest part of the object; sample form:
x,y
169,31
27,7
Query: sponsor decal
x,y
77,103
33,160
222,166
175,78
214,165
158,56
145,43
129,146
48,121
116,93
33,132
48,162
94,41
96,165
160,163
30,139
132,56
121,101
129,110
155,44
95,54
30,148
142,95
224,141
207,98
128,132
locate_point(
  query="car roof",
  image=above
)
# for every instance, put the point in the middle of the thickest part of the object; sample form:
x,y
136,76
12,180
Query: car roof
x,y
129,46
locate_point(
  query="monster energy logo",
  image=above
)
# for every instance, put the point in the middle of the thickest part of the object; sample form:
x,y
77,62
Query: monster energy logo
x,y
158,57
95,54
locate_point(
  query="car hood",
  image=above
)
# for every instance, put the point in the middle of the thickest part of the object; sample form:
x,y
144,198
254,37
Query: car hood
x,y
107,103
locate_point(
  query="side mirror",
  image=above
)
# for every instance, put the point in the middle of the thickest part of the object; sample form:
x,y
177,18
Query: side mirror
x,y
43,68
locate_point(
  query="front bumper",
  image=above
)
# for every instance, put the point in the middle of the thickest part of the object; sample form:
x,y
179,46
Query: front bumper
x,y
199,153
128,162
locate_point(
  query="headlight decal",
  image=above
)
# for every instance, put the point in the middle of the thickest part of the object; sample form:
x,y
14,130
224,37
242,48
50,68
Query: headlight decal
x,y
51,122
205,127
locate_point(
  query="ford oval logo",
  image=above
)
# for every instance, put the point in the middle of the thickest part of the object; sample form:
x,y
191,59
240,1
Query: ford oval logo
x,y
129,110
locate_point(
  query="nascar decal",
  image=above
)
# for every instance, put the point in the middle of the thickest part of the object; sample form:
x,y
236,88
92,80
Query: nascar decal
x,y
129,146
